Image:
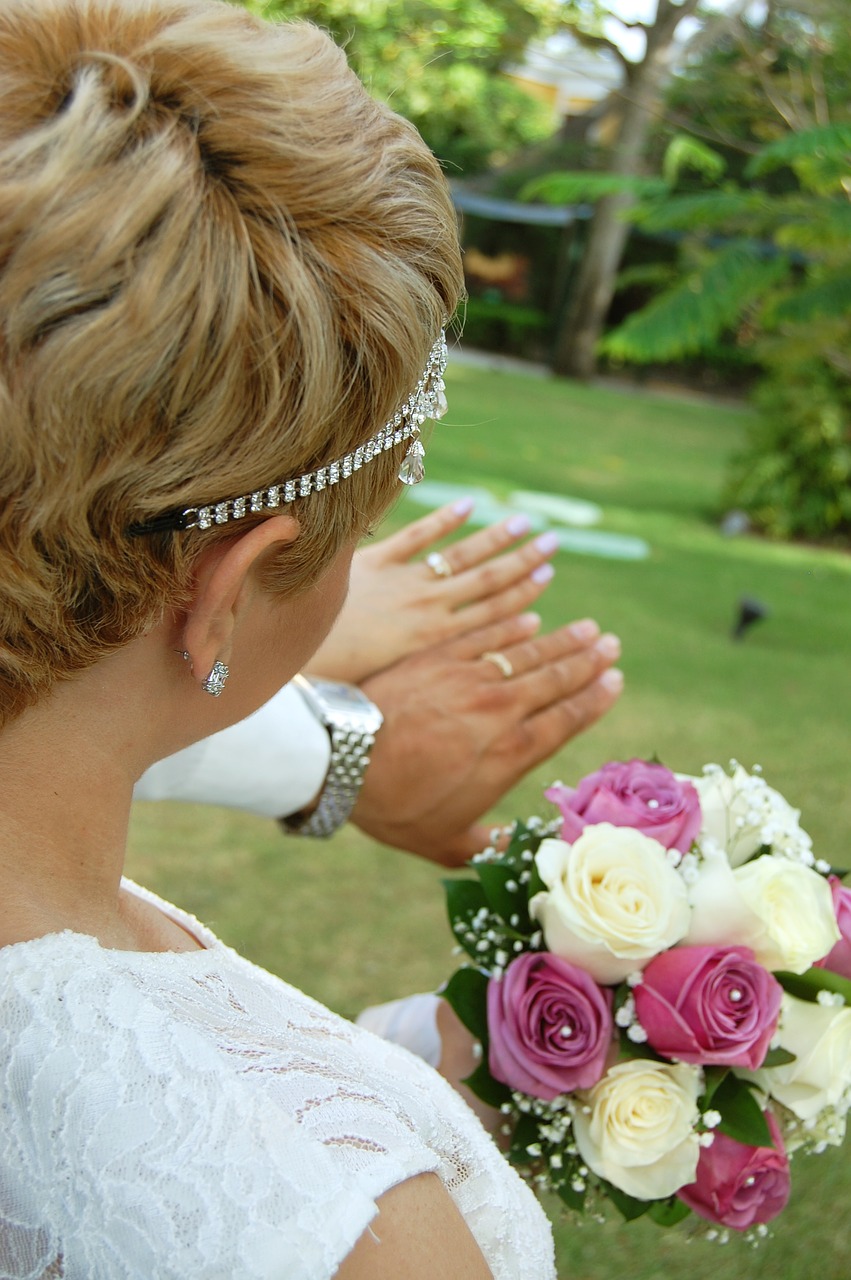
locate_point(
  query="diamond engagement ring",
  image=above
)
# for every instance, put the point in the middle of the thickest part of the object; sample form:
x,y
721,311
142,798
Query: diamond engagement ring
x,y
500,661
439,565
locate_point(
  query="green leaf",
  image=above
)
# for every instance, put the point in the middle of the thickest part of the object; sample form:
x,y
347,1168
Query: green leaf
x,y
686,152
504,902
827,298
463,899
806,986
485,1087
726,210
832,140
691,316
741,1115
667,1213
584,185
713,1077
778,1058
573,1199
525,1134
628,1206
466,991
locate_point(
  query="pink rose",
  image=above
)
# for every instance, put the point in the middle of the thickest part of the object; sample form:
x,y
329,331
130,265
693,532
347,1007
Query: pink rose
x,y
645,796
839,959
550,1026
736,1185
709,1005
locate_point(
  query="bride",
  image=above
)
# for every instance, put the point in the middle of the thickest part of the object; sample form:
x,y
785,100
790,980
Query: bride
x,y
224,273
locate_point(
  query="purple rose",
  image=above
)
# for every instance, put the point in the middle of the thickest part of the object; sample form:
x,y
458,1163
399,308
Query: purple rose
x,y
736,1185
709,1006
550,1026
645,796
839,959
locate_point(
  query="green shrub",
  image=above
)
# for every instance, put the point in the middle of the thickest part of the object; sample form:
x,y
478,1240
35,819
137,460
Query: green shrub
x,y
794,479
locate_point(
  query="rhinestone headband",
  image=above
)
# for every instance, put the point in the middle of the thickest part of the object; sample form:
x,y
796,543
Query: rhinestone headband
x,y
427,401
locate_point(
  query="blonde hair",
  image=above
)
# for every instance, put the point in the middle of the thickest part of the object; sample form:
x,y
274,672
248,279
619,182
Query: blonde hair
x,y
221,263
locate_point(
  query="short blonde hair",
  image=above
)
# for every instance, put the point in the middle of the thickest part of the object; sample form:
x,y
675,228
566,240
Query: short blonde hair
x,y
221,263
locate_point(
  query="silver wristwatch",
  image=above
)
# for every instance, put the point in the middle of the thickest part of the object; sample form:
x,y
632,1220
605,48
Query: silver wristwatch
x,y
352,722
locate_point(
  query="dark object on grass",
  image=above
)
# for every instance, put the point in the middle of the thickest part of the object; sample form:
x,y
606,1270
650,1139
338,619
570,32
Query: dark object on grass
x,y
750,611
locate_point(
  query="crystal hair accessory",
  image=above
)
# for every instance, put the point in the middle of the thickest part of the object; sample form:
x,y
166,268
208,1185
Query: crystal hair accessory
x,y
428,400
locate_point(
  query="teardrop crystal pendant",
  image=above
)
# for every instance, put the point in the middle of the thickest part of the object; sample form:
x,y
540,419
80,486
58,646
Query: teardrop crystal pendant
x,y
441,404
412,469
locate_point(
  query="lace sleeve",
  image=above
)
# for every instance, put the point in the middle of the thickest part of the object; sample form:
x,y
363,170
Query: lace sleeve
x,y
127,1150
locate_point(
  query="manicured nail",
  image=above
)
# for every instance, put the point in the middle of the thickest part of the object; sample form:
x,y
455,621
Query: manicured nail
x,y
463,506
612,680
547,542
609,646
585,629
516,525
542,574
530,621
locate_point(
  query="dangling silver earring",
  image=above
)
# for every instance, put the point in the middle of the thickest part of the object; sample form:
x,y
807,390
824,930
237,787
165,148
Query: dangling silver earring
x,y
216,680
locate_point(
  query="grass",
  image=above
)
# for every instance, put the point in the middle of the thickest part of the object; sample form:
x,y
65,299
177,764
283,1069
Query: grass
x,y
353,923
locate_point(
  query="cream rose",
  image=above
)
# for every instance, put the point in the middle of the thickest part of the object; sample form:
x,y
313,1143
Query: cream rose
x,y
613,901
636,1127
820,1077
742,813
780,909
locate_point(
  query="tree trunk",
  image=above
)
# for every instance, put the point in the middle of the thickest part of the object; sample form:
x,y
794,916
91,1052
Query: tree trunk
x,y
576,341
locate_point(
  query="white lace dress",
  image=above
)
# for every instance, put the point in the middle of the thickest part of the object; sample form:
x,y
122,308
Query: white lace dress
x,y
187,1116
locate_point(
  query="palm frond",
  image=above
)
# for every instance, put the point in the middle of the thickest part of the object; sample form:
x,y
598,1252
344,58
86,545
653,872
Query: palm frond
x,y
690,316
686,152
706,211
571,187
829,142
827,298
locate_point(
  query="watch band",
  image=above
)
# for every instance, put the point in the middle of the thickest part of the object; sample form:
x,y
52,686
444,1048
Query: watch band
x,y
352,723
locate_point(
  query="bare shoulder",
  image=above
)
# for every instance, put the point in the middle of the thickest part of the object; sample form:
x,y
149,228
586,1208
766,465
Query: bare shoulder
x,y
418,1234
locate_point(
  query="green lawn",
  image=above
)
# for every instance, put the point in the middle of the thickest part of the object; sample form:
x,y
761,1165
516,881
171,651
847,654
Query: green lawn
x,y
352,923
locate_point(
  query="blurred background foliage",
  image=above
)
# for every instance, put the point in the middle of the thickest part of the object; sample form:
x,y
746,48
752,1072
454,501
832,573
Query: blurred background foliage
x,y
704,196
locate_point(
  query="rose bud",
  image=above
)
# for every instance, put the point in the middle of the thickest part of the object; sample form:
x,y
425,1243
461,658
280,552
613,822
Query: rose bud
x,y
709,1005
550,1026
638,794
738,1186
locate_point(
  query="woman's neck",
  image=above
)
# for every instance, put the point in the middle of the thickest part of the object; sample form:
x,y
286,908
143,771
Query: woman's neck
x,y
67,769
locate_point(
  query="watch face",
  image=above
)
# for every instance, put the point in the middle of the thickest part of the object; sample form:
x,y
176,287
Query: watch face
x,y
346,697
331,698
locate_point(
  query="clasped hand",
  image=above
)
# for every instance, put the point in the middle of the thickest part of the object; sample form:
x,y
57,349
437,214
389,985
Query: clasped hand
x,y
460,729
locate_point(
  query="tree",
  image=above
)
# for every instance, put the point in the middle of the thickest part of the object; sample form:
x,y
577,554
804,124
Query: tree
x,y
768,258
645,80
437,62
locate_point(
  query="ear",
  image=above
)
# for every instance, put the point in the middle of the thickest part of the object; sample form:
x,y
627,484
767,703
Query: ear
x,y
225,578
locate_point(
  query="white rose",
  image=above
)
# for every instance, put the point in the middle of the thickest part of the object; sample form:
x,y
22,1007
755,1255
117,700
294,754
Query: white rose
x,y
636,1127
780,909
742,813
613,900
820,1038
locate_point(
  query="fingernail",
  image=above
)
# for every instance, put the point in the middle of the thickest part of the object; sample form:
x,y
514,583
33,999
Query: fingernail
x,y
530,621
609,646
547,542
517,525
463,506
584,629
612,680
542,574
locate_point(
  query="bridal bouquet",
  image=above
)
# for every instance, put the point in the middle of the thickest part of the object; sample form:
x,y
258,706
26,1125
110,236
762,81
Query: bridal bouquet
x,y
658,979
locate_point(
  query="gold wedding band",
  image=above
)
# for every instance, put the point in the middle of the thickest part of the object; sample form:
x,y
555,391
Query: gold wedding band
x,y
499,660
439,565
